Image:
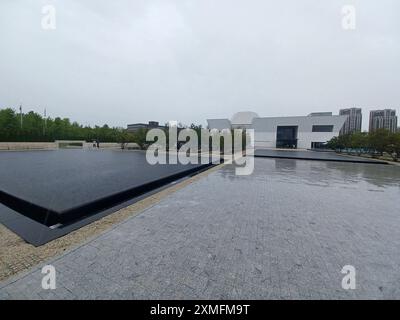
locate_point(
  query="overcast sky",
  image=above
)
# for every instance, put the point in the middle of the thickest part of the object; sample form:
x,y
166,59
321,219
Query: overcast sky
x,y
127,61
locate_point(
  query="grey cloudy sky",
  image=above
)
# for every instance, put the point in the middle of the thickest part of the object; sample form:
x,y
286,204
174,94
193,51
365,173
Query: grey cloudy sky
x,y
120,62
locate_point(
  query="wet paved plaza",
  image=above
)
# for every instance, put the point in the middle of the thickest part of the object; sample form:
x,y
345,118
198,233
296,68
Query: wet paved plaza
x,y
285,232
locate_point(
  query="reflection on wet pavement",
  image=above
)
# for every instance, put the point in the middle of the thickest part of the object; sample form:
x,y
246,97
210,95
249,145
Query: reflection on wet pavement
x,y
347,175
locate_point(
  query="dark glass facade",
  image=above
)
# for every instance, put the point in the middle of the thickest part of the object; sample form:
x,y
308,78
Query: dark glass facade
x,y
322,128
286,137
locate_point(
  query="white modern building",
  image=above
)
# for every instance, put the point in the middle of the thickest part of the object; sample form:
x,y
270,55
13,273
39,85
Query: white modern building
x,y
243,120
302,132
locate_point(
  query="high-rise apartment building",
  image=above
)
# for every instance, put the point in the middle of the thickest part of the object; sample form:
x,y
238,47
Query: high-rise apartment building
x,y
383,119
353,122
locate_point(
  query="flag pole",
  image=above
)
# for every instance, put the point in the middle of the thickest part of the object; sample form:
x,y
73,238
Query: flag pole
x,y
45,122
20,113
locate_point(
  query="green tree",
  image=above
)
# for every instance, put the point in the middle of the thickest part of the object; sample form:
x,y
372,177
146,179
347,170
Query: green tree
x,y
378,140
9,125
333,143
32,129
393,146
339,143
139,137
123,138
35,128
358,141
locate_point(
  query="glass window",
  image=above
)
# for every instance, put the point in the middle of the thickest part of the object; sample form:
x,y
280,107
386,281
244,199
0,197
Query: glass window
x,y
322,128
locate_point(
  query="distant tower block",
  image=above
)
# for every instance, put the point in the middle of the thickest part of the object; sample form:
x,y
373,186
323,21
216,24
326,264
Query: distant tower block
x,y
353,122
383,119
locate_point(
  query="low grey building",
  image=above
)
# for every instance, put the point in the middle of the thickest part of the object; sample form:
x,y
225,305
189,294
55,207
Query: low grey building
x,y
132,128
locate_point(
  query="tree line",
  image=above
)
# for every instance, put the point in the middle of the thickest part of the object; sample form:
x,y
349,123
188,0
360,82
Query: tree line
x,y
374,143
35,128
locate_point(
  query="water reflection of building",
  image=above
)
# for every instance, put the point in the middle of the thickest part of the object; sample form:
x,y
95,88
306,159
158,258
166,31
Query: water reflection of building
x,y
287,165
378,175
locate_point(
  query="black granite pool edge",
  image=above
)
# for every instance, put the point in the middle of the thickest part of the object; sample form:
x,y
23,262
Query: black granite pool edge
x,y
323,159
76,213
38,234
33,211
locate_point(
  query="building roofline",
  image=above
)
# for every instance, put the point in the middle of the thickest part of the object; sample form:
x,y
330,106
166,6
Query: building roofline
x,y
334,116
382,110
